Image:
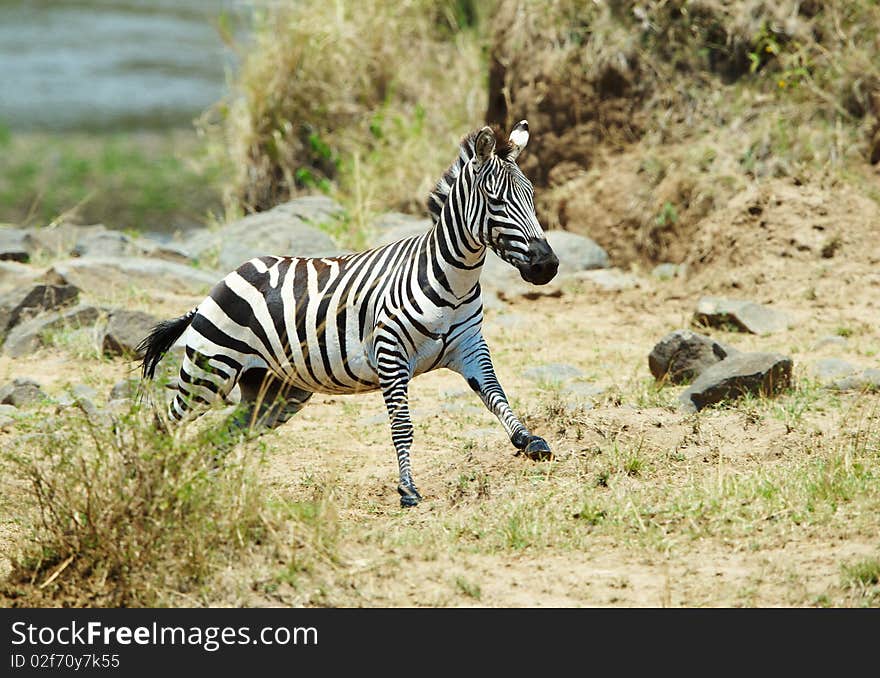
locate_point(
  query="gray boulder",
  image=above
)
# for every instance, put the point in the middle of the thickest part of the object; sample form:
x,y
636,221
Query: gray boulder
x,y
502,280
125,330
21,392
98,275
14,274
28,336
741,373
744,316
104,243
60,240
27,301
395,226
126,388
13,245
7,415
681,356
576,252
288,229
865,380
831,369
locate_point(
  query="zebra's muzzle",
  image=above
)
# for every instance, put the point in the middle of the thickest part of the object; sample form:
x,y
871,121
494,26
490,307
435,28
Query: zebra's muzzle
x,y
541,265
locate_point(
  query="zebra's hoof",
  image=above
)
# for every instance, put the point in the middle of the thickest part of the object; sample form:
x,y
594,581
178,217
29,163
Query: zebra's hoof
x,y
537,449
409,495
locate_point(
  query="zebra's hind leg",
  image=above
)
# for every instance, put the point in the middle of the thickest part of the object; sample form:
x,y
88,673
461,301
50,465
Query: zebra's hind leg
x,y
202,381
266,402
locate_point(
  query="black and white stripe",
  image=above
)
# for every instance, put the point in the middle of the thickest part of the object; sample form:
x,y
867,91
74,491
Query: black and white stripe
x,y
284,328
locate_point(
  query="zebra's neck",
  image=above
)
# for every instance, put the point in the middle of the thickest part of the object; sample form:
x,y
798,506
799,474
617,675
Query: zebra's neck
x,y
455,236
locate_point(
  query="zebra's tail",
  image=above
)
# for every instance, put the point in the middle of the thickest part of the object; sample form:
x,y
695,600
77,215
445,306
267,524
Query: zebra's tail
x,y
160,339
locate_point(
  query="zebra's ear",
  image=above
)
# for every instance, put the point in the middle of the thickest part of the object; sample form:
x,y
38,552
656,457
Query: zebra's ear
x,y
519,137
484,145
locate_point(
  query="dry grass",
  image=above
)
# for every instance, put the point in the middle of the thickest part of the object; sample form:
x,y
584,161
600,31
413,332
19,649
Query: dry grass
x,y
120,514
659,112
367,97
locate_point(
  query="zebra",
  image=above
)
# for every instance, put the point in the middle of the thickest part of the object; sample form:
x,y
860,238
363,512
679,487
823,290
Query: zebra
x,y
284,328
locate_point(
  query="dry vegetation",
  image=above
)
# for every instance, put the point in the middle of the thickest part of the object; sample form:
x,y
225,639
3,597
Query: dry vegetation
x,y
366,97
735,137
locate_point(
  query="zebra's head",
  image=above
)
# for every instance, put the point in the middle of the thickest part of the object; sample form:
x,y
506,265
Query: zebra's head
x,y
511,228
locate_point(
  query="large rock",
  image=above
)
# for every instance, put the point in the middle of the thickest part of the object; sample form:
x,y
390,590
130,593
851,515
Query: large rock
x,y
25,302
864,380
125,330
576,252
290,229
60,240
682,356
100,275
745,316
21,392
29,336
14,274
502,280
831,369
106,244
395,226
13,245
756,373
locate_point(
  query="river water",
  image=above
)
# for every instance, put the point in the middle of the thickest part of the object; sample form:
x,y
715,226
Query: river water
x,y
111,64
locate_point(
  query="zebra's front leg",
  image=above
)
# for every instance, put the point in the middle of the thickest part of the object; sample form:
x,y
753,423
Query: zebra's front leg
x,y
475,364
395,393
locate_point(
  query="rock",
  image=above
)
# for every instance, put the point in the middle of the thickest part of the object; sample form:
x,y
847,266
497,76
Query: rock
x,y
736,375
611,280
504,281
59,241
576,252
25,302
21,392
13,245
552,373
127,388
27,337
745,316
165,251
106,244
83,397
100,275
866,380
14,274
395,226
7,415
831,369
681,356
288,229
669,271
125,330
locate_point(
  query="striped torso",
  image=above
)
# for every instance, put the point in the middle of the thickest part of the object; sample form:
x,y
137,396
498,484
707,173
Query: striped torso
x,y
320,324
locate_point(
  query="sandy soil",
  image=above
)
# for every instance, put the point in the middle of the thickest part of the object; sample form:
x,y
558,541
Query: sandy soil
x,y
458,548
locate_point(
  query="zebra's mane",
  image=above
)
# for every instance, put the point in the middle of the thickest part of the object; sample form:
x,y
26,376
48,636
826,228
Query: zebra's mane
x,y
437,197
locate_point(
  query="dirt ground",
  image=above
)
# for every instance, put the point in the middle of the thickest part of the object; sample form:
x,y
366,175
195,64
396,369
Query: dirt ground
x,y
755,503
